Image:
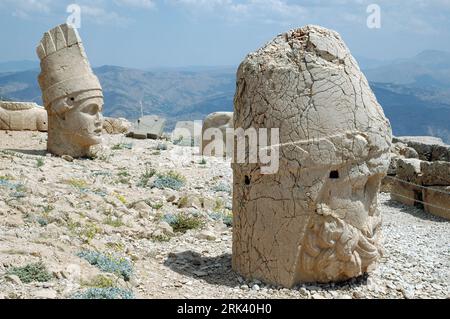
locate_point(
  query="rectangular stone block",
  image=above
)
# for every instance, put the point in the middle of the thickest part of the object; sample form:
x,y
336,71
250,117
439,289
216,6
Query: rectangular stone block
x,y
435,173
150,126
437,201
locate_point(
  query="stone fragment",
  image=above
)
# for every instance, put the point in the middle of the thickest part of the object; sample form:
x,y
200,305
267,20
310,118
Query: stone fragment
x,y
116,126
22,116
316,219
71,93
149,126
214,131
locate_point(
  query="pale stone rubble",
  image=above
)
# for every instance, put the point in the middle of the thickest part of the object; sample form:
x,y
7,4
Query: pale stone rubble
x,y
22,116
71,93
317,219
50,219
419,174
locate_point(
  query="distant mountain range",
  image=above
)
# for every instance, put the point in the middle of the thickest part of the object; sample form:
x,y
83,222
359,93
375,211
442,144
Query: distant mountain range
x,y
415,92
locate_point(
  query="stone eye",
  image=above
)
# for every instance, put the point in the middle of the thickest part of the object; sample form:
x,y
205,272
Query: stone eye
x,y
91,109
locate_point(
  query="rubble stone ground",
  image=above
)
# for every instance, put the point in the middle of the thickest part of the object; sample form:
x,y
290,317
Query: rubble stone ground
x,y
51,209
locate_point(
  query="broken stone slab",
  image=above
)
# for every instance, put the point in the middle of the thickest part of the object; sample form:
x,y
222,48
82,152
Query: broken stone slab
x,y
316,219
23,116
149,126
216,123
429,148
437,201
187,133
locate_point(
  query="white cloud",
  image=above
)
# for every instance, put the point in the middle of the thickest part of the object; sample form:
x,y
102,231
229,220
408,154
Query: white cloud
x,y
27,8
266,11
145,4
102,16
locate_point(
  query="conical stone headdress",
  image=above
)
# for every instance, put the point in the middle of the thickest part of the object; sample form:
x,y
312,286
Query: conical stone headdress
x,y
65,69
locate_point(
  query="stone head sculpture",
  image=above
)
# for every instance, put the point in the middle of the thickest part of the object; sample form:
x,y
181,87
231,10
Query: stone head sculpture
x,y
317,218
71,93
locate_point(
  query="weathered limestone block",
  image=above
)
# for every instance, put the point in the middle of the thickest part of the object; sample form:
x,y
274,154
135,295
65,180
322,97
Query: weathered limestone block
x,y
437,201
317,218
219,121
149,126
409,169
71,93
429,148
116,125
22,116
435,173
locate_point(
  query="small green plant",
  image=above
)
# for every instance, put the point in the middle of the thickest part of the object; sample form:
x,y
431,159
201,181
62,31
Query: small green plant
x,y
203,161
31,273
226,216
122,146
222,187
145,177
121,198
105,293
77,183
156,206
171,179
114,222
85,232
183,202
219,205
99,281
40,162
160,238
108,263
116,246
181,223
123,173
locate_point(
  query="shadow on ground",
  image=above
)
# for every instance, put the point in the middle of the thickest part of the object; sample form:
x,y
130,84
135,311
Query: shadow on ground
x,y
29,152
217,271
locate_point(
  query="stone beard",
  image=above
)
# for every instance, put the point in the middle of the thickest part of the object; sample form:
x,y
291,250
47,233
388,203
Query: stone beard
x,y
71,93
317,218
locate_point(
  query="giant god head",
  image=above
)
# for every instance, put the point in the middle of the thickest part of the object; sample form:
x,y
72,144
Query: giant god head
x,y
316,219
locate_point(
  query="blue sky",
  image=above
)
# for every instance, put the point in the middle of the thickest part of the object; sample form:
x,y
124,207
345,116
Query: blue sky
x,y
172,33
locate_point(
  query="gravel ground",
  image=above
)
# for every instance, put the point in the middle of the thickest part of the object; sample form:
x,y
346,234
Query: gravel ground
x,y
52,209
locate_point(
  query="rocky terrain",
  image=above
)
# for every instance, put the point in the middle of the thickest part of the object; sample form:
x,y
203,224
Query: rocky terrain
x,y
147,219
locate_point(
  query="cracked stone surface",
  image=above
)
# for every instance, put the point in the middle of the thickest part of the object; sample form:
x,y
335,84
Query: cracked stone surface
x,y
317,219
71,93
22,116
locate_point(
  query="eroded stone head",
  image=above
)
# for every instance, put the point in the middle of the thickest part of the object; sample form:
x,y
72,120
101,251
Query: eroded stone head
x,y
71,93
317,218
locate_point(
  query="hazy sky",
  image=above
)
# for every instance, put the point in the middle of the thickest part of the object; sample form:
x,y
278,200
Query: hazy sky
x,y
152,33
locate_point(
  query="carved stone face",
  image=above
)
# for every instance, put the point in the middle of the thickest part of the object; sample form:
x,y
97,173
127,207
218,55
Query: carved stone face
x,y
76,123
316,219
85,120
